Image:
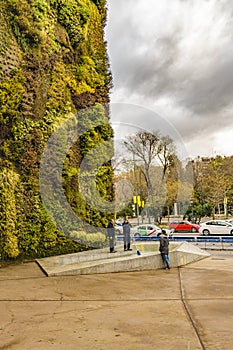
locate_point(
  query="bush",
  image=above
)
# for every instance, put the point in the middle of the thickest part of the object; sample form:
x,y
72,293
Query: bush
x,y
95,240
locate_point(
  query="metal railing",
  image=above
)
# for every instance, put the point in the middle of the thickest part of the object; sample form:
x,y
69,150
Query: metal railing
x,y
204,242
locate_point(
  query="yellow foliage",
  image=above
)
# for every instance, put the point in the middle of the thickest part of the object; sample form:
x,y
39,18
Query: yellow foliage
x,y
89,238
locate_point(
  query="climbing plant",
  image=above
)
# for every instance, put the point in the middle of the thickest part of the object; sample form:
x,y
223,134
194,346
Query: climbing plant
x,y
53,64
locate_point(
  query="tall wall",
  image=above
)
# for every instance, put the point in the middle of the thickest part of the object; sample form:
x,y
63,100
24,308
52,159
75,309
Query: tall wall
x,y
53,63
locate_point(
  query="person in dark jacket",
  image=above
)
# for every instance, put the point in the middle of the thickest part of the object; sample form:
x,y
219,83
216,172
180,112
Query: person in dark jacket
x,y
164,248
111,235
126,232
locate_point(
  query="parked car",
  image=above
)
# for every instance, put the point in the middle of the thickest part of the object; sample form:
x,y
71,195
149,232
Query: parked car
x,y
216,227
146,230
183,226
118,228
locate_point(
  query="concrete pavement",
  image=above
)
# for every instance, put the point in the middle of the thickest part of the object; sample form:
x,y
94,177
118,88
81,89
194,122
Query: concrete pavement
x,y
186,308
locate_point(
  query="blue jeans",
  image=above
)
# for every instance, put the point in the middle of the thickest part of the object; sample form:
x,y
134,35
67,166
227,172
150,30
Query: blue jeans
x,y
166,259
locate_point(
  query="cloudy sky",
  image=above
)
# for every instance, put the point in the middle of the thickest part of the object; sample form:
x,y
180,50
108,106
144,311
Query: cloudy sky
x,y
174,59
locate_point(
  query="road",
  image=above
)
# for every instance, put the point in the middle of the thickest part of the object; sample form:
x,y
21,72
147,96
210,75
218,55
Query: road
x,y
221,243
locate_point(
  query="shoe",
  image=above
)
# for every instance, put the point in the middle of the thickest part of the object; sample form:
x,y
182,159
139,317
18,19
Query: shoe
x,y
125,250
114,251
129,249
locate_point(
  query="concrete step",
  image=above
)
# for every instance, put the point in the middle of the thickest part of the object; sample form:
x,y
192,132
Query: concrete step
x,y
101,261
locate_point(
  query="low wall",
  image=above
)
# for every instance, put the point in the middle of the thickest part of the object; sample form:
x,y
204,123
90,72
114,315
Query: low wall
x,y
101,261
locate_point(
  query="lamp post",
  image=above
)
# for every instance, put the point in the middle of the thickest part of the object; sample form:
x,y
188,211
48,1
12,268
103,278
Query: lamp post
x,y
225,207
136,198
191,203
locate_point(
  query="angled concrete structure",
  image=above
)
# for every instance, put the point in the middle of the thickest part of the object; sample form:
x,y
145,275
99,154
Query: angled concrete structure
x,y
101,261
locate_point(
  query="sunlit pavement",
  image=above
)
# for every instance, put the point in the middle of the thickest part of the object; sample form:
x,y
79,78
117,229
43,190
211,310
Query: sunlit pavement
x,y
184,308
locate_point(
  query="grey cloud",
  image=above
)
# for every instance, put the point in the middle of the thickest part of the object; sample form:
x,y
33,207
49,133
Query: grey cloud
x,y
148,71
153,73
212,93
154,66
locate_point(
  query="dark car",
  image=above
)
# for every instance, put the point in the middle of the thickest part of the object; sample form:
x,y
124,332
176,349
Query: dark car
x,y
183,226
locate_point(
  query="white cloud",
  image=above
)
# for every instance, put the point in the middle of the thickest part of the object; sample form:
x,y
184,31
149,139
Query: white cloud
x,y
223,142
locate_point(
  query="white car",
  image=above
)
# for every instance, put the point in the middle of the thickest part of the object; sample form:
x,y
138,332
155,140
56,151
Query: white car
x,y
216,227
118,228
146,230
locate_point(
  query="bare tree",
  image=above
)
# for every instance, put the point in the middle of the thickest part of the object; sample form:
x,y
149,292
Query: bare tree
x,y
146,147
151,148
167,153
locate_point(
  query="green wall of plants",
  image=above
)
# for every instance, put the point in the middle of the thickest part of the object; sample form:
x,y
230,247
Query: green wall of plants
x,y
53,62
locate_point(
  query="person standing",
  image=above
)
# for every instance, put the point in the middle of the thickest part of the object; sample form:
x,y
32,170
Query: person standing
x,y
111,235
164,248
126,232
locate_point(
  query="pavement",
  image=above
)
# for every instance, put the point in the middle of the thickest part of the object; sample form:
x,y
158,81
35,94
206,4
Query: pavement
x,y
185,308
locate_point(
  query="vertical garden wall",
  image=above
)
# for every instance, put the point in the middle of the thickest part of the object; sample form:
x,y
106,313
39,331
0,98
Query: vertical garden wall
x,y
53,63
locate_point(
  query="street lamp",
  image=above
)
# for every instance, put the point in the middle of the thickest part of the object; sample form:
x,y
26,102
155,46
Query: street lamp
x,y
136,198
225,207
191,203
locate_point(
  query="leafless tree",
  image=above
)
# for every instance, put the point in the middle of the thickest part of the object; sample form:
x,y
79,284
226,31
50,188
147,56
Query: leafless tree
x,y
151,148
167,153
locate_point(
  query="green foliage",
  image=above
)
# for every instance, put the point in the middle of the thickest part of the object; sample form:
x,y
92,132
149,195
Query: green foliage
x,y
27,19
87,70
126,211
11,90
213,183
60,68
8,215
94,129
72,15
198,211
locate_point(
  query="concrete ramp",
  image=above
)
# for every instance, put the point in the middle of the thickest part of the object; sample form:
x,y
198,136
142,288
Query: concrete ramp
x,y
101,261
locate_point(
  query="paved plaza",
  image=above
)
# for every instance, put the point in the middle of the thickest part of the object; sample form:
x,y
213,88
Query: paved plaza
x,y
186,308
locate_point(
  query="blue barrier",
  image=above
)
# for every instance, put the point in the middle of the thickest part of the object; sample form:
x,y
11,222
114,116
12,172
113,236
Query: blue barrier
x,y
204,239
227,239
208,239
183,238
146,238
